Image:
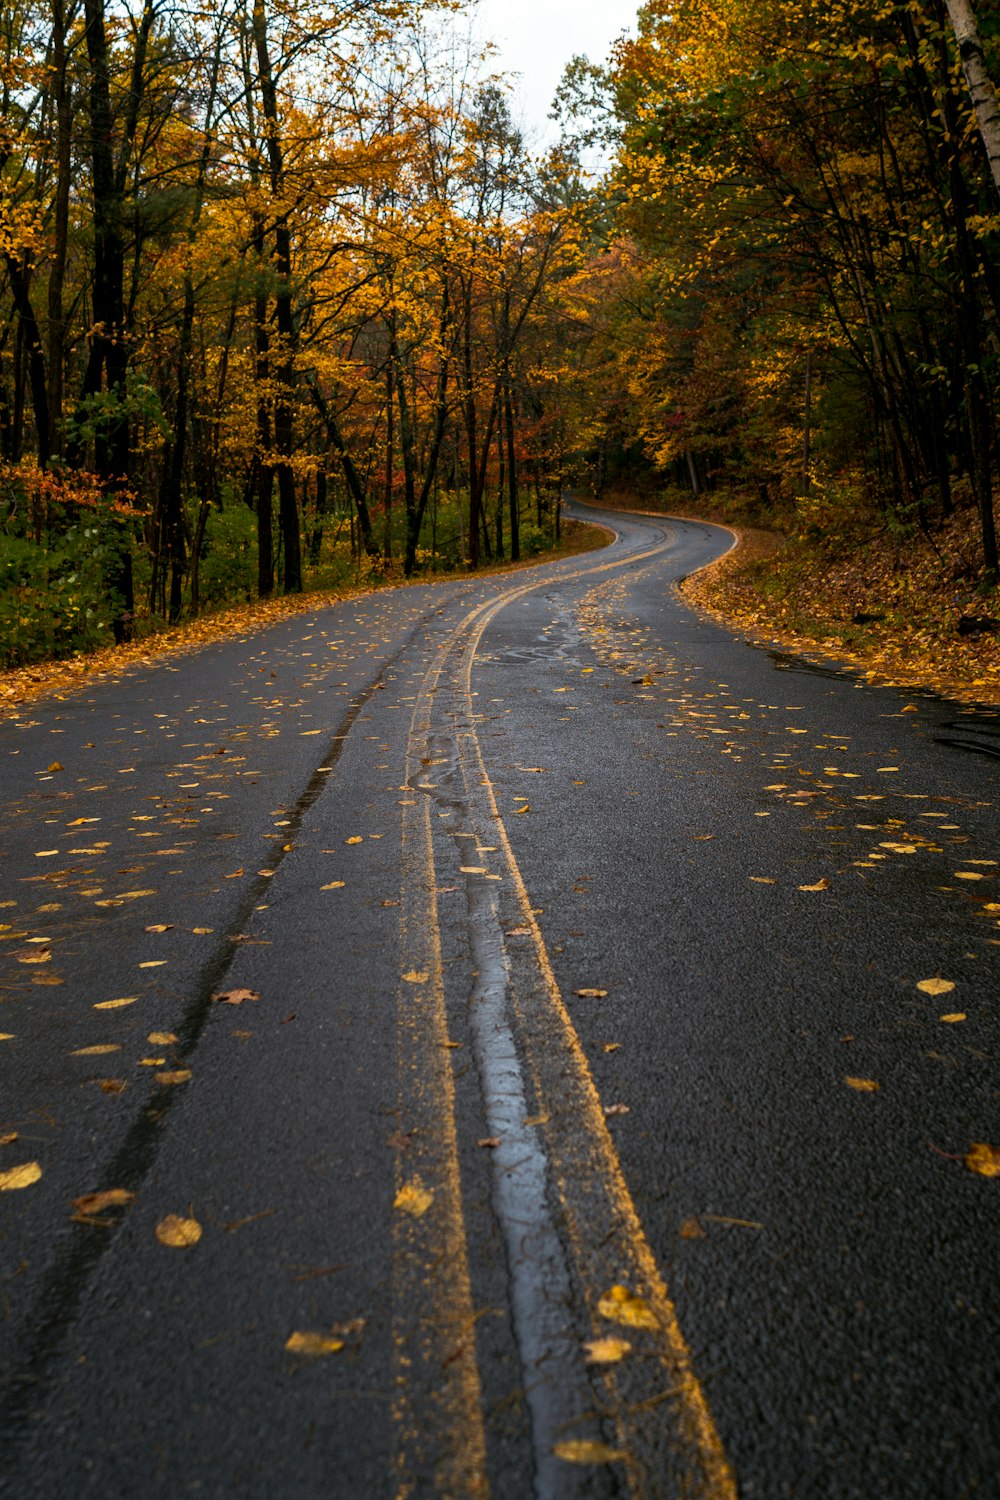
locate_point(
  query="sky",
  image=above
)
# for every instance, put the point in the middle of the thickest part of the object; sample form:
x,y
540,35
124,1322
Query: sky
x,y
537,38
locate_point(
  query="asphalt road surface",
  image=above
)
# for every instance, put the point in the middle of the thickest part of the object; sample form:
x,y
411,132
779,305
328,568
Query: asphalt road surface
x,y
576,1120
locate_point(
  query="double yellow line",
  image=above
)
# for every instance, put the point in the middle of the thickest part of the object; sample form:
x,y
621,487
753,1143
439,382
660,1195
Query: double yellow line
x,y
662,1419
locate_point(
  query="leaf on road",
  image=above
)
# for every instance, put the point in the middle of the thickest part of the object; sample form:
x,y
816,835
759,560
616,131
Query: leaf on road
x,y
863,1085
954,1016
584,1451
89,1204
313,1345
591,994
55,766
112,1085
177,1075
118,1004
335,885
8,1138
416,976
202,931
968,875
981,1158
413,1198
606,1351
161,1038
490,1141
611,1046
523,809
936,986
691,1229
152,963
152,1062
160,927
623,1306
33,956
821,885
236,997
98,1050
763,880
20,1177
178,1232
356,839
616,1109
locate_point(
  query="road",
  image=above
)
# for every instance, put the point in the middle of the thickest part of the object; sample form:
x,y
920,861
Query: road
x,y
572,1122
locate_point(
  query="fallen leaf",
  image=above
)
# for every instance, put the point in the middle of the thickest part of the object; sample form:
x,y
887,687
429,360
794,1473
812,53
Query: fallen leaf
x,y
178,1075
8,1138
112,1085
968,875
116,1004
583,1451
623,1306
591,994
152,1062
55,766
935,986
954,1016
202,931
98,1050
95,1203
523,809
19,1177
312,1345
611,1046
691,1230
356,839
160,927
763,880
491,1141
177,1232
606,1351
980,1158
472,869
616,1109
152,963
413,1198
235,997
533,1120
863,1085
335,885
416,976
821,885
161,1038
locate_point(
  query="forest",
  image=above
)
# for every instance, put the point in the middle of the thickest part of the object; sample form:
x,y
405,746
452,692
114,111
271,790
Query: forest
x,y
286,300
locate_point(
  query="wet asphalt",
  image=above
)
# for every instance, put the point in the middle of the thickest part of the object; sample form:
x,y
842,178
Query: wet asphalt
x,y
754,860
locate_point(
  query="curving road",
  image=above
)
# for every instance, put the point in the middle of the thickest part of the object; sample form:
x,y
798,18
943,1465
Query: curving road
x,y
573,1122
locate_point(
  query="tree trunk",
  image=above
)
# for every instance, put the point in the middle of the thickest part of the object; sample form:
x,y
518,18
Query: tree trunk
x,y
981,90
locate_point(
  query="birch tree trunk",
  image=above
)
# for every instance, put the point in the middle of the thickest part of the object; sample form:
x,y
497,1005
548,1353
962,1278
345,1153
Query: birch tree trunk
x,y
981,90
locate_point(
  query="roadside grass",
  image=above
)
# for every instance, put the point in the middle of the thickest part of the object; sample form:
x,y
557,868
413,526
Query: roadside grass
x,y
20,685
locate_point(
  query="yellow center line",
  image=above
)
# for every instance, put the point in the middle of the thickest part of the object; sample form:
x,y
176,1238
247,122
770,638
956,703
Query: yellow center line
x,y
711,1477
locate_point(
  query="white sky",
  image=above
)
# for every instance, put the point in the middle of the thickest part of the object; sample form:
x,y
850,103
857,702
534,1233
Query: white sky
x,y
537,38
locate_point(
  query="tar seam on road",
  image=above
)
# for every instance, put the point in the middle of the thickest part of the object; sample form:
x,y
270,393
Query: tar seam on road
x,y
706,1471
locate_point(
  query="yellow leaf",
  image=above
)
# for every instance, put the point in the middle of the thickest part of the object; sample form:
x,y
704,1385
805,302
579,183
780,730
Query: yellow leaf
x,y
19,1177
763,880
313,1344
863,1085
821,885
153,963
55,766
95,1203
161,1038
953,1016
202,931
335,885
179,1075
8,1138
116,1004
979,1158
591,994
525,808
357,839
177,1232
413,1198
97,1051
7,1036
112,1085
606,1351
935,986
691,1230
968,875
582,1451
623,1306
416,976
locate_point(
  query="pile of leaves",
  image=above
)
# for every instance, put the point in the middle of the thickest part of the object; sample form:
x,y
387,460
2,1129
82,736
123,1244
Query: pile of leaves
x,y
900,608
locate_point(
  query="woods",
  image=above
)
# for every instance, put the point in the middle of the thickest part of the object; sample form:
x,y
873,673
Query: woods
x,y
285,299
